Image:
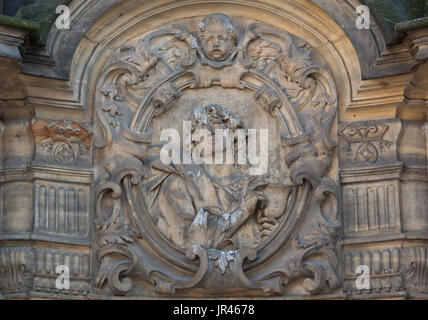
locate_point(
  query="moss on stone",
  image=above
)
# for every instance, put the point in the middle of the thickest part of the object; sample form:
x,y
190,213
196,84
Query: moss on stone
x,y
43,12
388,13
19,23
416,8
40,10
405,26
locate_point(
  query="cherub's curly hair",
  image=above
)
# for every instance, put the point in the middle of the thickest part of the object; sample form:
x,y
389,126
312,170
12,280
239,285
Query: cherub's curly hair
x,y
217,17
207,116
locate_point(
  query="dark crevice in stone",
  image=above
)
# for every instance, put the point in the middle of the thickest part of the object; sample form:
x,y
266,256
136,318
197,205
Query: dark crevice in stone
x,y
390,13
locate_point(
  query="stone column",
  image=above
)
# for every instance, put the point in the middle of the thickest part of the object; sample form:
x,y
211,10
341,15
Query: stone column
x,y
18,151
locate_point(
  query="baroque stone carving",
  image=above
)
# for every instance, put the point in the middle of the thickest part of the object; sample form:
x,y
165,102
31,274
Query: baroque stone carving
x,y
371,207
384,269
216,229
16,269
47,262
414,268
65,141
365,140
61,209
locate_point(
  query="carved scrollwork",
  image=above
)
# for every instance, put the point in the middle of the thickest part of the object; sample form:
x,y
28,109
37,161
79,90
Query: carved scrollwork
x,y
268,99
164,98
165,285
365,140
142,202
413,262
17,268
117,261
65,141
314,254
116,258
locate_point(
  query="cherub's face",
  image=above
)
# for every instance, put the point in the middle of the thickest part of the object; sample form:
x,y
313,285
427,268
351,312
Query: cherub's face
x,y
216,42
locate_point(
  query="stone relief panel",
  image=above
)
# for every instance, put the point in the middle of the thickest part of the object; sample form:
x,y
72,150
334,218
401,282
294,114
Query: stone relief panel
x,y
414,262
391,269
46,275
24,270
368,143
65,143
191,227
371,207
17,267
384,266
61,209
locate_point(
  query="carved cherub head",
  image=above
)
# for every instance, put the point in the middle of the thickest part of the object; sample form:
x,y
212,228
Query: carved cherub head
x,y
217,36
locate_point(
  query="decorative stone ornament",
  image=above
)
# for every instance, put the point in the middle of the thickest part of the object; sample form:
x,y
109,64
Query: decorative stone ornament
x,y
202,229
187,149
66,142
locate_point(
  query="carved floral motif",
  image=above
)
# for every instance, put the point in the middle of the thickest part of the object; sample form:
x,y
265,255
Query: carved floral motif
x,y
365,140
66,141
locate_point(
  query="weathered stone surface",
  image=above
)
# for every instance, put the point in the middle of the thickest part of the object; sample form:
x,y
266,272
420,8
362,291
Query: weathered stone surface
x,y
84,182
222,214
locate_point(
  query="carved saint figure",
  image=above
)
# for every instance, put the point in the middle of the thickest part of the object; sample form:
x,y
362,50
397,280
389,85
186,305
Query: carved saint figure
x,y
217,36
206,204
